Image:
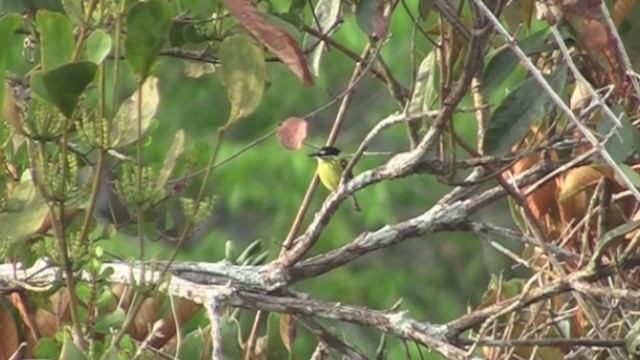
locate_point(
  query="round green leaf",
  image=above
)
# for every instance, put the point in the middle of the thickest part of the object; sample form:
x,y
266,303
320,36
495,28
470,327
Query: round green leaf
x,y
147,27
97,46
66,83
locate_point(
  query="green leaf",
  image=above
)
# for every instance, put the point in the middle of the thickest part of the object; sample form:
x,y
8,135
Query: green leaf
x,y
46,348
56,38
502,64
8,25
192,345
244,73
36,83
620,144
327,13
97,46
518,111
66,83
83,291
112,320
630,174
176,149
632,339
70,351
110,354
426,87
364,15
127,85
148,24
73,8
24,213
125,129
614,237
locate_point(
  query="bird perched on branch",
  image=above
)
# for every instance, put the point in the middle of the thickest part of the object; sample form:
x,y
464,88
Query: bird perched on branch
x,y
330,169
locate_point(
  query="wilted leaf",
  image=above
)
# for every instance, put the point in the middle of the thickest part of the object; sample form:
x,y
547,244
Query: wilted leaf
x,y
56,38
287,331
292,133
66,83
502,64
147,27
176,149
576,180
426,86
278,41
580,97
97,46
517,112
244,73
125,128
327,13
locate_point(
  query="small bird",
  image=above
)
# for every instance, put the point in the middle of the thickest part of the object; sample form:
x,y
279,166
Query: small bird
x,y
330,169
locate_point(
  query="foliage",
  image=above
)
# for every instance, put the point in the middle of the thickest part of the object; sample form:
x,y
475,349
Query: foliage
x,y
140,135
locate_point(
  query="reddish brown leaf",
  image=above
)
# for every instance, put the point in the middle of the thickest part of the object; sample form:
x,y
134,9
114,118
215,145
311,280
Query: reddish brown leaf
x,y
10,340
596,37
292,133
279,42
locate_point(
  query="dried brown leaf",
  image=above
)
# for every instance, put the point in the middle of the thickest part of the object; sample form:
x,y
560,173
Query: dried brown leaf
x,y
287,331
10,341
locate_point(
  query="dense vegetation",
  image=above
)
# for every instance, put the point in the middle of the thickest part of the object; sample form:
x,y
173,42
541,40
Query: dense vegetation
x,y
158,199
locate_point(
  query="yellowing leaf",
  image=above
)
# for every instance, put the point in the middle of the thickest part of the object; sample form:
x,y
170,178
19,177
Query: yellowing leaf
x,y
124,131
287,331
177,147
244,72
426,87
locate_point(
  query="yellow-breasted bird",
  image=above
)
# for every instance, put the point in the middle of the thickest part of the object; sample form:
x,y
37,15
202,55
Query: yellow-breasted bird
x,y
330,169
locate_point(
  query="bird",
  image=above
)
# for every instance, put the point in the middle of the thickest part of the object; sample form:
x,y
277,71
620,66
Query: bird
x,y
330,169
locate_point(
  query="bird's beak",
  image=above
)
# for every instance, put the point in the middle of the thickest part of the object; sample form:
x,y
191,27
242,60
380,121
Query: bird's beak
x,y
315,154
